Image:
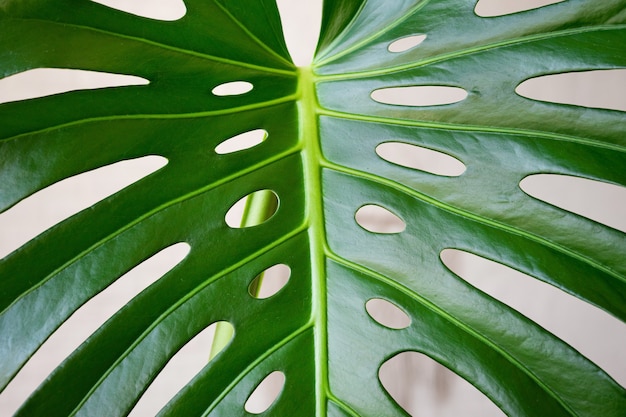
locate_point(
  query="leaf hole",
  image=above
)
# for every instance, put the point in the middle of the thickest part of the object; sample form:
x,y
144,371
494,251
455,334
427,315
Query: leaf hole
x,y
43,82
86,320
590,330
602,89
493,8
45,208
266,393
423,159
242,141
178,371
406,43
270,281
255,208
377,219
422,386
166,10
419,95
596,200
387,314
233,88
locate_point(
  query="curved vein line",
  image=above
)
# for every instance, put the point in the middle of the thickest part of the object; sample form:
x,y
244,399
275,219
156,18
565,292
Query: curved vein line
x,y
342,405
208,113
464,52
264,356
454,320
395,23
250,34
149,214
475,217
472,128
168,47
343,33
181,302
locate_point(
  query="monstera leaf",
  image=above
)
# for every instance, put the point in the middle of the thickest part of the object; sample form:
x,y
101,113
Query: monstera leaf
x,y
324,125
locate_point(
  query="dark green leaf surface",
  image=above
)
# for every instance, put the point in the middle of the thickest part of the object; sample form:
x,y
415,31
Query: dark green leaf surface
x,y
319,159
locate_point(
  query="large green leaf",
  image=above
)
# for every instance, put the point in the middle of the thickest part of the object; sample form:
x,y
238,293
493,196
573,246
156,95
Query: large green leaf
x,y
319,159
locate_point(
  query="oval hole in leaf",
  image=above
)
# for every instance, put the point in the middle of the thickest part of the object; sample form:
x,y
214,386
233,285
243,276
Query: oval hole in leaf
x,y
406,43
234,88
377,219
242,141
423,387
419,95
596,200
86,320
42,82
602,89
61,200
590,330
179,371
387,314
265,393
417,157
493,8
266,198
270,281
167,10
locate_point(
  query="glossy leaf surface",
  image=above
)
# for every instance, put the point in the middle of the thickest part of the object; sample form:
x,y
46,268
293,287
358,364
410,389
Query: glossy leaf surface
x,y
319,159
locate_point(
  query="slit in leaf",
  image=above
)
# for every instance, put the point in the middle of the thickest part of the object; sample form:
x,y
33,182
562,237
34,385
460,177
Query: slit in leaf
x,y
602,89
270,281
590,330
45,208
406,43
387,314
377,219
599,201
180,370
258,207
423,159
241,141
419,95
494,8
43,82
166,10
266,393
86,320
233,88
422,386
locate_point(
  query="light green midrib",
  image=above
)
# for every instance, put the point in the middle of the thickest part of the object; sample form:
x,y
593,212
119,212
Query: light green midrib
x,y
312,155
